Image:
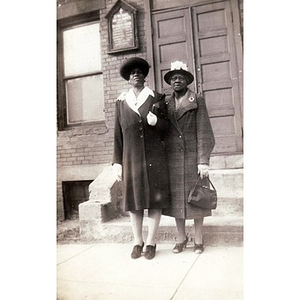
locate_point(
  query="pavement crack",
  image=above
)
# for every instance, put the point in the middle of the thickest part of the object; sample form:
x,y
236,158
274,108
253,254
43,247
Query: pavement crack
x,y
184,277
75,255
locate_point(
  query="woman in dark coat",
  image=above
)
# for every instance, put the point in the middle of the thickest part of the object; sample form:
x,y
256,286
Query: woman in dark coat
x,y
139,156
189,143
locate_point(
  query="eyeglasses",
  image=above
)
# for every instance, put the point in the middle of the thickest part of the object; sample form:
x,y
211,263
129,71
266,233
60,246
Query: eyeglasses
x,y
178,77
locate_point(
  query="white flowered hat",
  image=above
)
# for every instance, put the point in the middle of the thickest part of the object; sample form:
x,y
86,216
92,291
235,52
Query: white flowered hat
x,y
181,68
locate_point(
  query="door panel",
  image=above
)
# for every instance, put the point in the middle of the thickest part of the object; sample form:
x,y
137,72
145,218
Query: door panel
x,y
202,37
213,45
217,72
172,40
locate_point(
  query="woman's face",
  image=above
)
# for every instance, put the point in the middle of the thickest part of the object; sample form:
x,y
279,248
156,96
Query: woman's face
x,y
178,82
136,78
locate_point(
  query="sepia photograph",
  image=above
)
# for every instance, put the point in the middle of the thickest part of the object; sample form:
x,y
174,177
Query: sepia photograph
x,y
150,149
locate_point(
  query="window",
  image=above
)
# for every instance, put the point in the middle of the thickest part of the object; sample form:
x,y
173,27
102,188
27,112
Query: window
x,y
74,193
82,96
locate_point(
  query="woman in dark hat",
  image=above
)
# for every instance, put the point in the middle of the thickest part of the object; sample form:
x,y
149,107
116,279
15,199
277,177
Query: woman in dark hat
x,y
139,156
188,143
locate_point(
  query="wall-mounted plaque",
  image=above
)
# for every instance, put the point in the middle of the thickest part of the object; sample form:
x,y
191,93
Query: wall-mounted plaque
x,y
122,28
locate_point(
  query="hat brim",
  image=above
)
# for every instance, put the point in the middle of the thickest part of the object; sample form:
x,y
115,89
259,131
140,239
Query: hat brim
x,y
132,63
189,76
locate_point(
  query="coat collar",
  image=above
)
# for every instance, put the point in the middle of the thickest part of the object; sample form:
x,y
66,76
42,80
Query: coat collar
x,y
188,102
136,102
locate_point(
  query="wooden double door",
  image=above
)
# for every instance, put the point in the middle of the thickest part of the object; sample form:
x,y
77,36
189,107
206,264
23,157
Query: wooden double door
x,y
206,38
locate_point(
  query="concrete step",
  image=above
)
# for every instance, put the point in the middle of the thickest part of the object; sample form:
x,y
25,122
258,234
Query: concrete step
x,y
229,186
229,207
217,231
228,182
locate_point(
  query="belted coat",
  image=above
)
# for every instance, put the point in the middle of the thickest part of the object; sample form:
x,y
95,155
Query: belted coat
x,y
188,142
138,147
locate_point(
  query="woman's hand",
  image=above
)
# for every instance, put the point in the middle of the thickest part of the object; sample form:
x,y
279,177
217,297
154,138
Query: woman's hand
x,y
117,170
151,119
203,170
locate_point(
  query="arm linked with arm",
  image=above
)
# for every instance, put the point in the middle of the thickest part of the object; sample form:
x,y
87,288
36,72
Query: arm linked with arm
x,y
160,110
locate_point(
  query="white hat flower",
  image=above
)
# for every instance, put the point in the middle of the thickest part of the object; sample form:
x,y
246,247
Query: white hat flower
x,y
178,65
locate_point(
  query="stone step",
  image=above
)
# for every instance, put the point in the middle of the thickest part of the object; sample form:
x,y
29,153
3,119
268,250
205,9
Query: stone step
x,y
228,182
229,186
217,231
106,194
229,207
98,217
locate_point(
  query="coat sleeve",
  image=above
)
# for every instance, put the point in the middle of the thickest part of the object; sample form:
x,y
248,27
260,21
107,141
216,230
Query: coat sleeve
x,y
118,137
205,135
160,110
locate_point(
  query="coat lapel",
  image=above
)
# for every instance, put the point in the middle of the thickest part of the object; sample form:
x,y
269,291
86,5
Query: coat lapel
x,y
135,103
188,103
170,102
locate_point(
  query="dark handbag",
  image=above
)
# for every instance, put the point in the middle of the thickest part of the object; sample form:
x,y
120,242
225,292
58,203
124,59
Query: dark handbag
x,y
202,196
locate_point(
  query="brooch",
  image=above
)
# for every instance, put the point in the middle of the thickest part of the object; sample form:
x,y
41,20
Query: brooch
x,y
191,99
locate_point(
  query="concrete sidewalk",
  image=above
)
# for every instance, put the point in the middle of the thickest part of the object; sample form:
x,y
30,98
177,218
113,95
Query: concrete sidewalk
x,y
102,271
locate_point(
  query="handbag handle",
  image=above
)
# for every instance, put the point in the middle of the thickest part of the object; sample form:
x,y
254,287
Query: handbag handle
x,y
208,180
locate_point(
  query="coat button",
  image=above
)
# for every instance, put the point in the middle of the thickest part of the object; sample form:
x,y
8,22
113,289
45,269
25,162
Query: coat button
x,y
141,136
141,128
150,165
180,136
140,121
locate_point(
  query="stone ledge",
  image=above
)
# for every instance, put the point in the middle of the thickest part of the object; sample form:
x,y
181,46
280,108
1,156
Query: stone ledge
x,y
216,231
103,204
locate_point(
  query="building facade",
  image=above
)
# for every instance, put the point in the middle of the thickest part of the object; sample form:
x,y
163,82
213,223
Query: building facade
x,y
95,36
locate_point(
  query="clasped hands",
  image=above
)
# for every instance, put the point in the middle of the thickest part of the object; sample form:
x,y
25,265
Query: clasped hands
x,y
151,119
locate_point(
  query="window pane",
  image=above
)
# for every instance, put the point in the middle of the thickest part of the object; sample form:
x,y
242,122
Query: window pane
x,y
82,50
85,99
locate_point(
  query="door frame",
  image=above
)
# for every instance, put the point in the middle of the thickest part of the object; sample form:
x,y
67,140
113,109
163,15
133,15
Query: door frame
x,y
237,36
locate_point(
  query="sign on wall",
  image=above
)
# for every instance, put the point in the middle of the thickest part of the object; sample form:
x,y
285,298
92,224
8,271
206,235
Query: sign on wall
x,y
122,27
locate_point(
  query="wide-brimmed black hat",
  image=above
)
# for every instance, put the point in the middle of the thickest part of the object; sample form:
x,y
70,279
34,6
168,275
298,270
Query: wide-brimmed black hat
x,y
181,68
132,63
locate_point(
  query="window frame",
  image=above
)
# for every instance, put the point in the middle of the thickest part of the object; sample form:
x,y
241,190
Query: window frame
x,y
62,24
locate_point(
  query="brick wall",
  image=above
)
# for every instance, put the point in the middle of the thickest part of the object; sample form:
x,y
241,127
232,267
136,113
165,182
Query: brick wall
x,y
83,150
90,146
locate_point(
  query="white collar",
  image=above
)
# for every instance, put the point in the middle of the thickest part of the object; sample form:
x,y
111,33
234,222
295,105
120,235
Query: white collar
x,y
136,102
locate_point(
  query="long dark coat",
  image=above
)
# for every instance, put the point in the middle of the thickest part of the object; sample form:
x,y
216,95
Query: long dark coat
x,y
189,142
139,149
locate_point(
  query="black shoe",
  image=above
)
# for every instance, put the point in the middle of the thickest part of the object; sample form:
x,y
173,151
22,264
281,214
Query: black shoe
x,y
179,246
137,251
150,251
198,248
